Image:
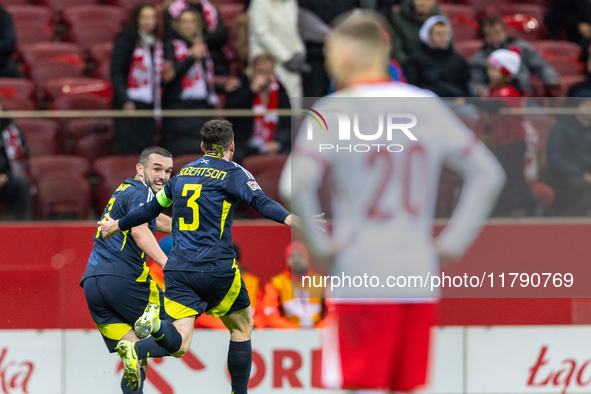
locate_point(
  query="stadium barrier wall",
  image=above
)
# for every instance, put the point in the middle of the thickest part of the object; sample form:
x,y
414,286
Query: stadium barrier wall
x,y
41,266
473,360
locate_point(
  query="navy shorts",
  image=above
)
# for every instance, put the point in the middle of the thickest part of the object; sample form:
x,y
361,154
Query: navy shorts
x,y
217,293
115,303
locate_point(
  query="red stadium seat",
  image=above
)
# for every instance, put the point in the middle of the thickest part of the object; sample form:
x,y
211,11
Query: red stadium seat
x,y
101,53
464,32
59,164
18,104
538,33
557,49
103,71
181,161
28,33
82,127
32,54
88,34
468,48
8,3
112,171
31,126
41,142
260,164
47,70
81,102
567,83
567,67
59,5
29,13
17,87
128,5
229,12
478,5
62,197
454,11
506,9
58,87
94,146
85,14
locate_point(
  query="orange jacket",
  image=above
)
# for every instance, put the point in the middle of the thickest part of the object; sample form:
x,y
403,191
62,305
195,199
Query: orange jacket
x,y
282,309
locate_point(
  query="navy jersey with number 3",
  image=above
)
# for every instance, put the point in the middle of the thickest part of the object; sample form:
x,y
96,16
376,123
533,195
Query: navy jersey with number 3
x,y
205,194
120,255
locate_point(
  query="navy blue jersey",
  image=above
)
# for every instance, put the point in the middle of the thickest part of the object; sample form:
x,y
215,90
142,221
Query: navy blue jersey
x,y
205,194
120,255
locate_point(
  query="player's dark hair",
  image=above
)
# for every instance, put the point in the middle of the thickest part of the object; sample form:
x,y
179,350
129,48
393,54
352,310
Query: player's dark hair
x,y
217,132
491,21
153,149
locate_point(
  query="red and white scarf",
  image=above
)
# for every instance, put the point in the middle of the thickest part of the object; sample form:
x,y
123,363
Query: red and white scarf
x,y
143,81
196,85
265,125
15,151
210,14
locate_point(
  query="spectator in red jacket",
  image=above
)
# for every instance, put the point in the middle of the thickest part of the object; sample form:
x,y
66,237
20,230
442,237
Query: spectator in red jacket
x,y
508,133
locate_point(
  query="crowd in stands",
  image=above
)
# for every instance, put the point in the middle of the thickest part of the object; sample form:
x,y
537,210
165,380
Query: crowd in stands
x,y
265,55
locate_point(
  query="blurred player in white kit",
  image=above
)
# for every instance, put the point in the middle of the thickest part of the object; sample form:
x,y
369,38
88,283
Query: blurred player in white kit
x,y
383,205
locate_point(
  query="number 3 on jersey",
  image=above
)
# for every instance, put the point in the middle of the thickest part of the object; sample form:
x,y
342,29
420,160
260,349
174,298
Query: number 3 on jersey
x,y
191,203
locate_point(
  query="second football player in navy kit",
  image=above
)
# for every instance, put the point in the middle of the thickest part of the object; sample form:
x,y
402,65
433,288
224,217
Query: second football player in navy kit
x,y
201,274
117,283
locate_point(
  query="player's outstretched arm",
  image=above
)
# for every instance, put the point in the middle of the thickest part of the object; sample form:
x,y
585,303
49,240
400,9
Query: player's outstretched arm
x,y
134,218
163,224
144,238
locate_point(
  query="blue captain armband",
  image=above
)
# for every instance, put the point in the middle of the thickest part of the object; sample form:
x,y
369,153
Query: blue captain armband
x,y
142,215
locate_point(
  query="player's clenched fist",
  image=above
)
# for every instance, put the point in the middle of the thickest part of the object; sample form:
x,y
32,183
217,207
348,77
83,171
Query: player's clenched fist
x,y
109,227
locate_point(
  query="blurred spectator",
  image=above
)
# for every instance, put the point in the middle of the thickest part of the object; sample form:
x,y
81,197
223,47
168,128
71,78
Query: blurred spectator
x,y
136,66
508,132
213,29
315,19
15,187
8,69
569,160
240,43
435,65
192,86
583,89
274,30
288,304
407,24
495,37
252,284
573,17
260,90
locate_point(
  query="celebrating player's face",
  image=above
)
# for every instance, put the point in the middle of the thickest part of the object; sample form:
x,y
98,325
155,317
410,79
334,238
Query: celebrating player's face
x,y
157,171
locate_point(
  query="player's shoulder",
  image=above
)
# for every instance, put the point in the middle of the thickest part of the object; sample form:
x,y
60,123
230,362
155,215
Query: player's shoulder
x,y
131,186
238,170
